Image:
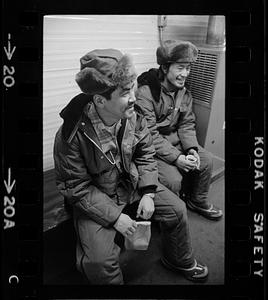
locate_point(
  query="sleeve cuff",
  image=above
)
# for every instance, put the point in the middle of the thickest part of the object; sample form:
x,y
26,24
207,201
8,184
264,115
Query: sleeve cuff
x,y
147,189
195,148
174,161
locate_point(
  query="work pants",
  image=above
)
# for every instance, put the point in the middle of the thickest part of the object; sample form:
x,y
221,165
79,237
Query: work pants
x,y
97,252
195,184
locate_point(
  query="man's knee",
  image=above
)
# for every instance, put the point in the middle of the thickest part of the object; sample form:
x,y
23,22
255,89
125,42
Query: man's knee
x,y
175,214
169,176
206,160
179,217
174,184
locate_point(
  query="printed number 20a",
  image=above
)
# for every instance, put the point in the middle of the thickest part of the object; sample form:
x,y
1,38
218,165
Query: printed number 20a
x,y
9,210
8,80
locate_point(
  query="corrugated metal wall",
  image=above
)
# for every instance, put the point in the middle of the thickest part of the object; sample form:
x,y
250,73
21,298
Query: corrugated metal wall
x,y
190,28
67,38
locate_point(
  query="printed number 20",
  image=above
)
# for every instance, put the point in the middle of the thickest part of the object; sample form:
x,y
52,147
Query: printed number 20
x,y
8,80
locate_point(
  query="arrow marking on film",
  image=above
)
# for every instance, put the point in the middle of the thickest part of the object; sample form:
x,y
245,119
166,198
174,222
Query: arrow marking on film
x,y
9,52
8,185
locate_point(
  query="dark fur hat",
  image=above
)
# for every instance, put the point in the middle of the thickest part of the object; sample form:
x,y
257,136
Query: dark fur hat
x,y
176,51
103,69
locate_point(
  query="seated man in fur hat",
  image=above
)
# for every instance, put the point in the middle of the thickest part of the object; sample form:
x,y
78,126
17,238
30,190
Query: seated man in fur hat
x,y
105,169
184,166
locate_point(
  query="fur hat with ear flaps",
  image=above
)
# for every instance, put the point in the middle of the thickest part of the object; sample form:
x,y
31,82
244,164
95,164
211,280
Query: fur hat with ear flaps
x,y
172,51
103,69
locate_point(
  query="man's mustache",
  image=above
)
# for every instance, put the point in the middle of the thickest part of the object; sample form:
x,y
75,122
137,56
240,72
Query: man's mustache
x,y
130,105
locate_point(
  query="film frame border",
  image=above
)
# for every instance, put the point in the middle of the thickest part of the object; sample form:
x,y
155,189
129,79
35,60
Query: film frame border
x,y
22,174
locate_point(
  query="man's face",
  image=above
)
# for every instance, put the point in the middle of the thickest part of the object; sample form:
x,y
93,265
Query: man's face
x,y
177,74
121,104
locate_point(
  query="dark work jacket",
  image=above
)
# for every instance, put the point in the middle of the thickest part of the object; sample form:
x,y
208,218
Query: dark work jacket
x,y
173,132
83,170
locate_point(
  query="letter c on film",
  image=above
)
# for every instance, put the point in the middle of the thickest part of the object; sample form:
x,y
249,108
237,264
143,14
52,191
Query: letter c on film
x,y
13,277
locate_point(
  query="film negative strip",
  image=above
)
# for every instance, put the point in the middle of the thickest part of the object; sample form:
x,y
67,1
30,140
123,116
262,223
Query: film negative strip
x,y
27,238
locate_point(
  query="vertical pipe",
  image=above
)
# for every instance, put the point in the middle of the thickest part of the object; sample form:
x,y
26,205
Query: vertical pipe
x,y
216,31
161,23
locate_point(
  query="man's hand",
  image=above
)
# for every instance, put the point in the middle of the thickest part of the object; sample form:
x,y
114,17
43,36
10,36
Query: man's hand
x,y
195,154
125,225
184,164
146,207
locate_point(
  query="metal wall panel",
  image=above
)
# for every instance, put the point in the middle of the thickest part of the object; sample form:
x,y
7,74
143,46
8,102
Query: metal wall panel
x,y
67,38
202,78
183,27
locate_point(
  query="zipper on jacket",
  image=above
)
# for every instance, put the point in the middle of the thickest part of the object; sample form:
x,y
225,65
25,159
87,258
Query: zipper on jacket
x,y
112,163
121,147
72,133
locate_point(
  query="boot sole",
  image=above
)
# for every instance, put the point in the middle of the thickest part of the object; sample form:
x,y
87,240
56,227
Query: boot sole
x,y
183,273
203,213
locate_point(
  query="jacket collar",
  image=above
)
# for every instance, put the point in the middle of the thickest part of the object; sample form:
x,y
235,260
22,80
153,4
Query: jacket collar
x,y
71,115
75,119
151,78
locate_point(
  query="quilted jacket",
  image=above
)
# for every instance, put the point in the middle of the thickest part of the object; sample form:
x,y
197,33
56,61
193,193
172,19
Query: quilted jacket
x,y
83,170
170,118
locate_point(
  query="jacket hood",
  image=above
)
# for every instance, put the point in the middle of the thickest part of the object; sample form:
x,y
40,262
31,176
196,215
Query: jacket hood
x,y
72,112
152,79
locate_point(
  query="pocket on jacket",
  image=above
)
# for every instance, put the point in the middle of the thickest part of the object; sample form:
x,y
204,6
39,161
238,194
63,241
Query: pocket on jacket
x,y
184,105
109,176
